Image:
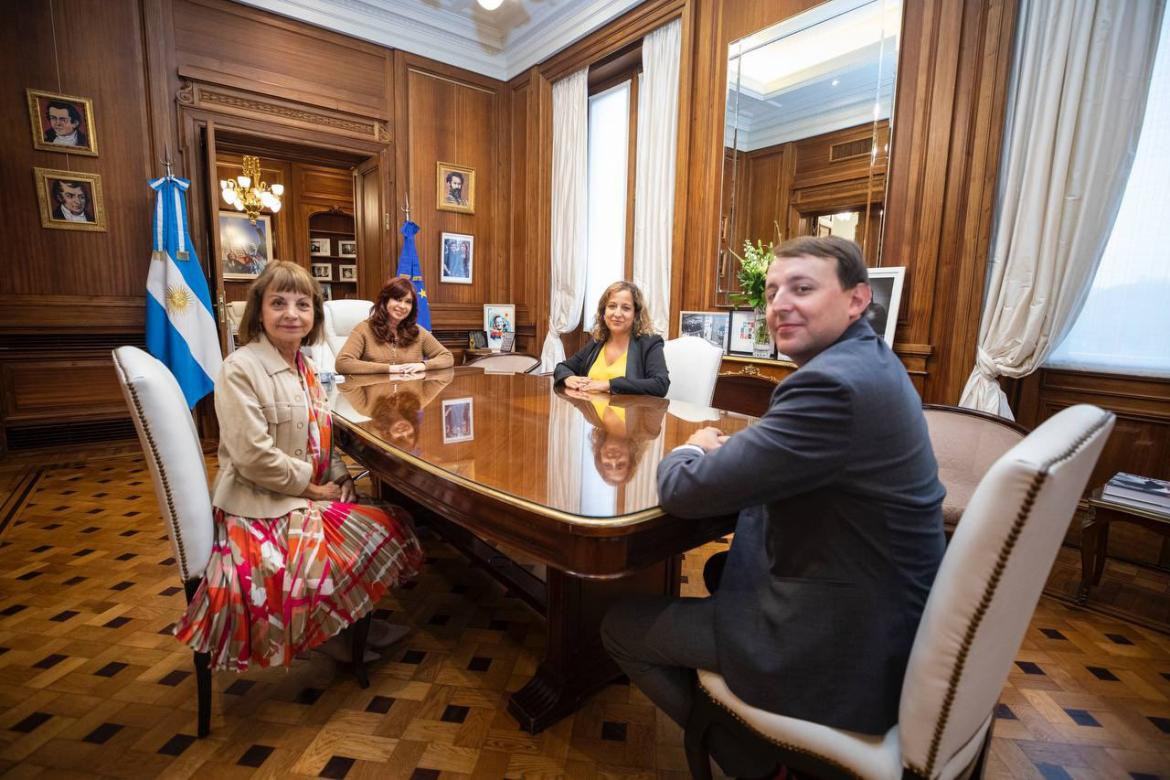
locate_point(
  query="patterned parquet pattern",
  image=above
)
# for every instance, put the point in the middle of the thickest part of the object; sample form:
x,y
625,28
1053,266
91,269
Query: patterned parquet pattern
x,y
92,683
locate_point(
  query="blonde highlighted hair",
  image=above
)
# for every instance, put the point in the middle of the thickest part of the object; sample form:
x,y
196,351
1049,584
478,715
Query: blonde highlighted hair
x,y
642,325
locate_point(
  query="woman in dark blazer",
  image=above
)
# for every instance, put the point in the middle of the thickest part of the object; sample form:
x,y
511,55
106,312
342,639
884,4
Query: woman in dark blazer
x,y
624,355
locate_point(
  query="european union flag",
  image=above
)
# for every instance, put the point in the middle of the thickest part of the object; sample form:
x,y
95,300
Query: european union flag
x,y
408,266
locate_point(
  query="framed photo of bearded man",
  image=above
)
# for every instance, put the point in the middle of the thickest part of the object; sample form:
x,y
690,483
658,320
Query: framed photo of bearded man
x,y
454,188
62,123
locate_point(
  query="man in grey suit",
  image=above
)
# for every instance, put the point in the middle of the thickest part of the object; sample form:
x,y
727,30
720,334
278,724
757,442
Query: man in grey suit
x,y
839,533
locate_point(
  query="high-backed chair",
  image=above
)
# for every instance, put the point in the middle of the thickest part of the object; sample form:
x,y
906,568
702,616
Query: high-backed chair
x,y
966,443
693,365
975,618
171,446
341,317
506,363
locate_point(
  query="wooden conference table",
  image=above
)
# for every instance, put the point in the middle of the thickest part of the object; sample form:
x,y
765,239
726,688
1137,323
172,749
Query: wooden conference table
x,y
505,468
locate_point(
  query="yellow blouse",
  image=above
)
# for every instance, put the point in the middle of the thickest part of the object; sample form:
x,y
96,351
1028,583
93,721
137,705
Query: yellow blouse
x,y
601,370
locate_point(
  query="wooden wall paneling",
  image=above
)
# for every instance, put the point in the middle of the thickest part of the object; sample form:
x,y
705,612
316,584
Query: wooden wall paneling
x,y
66,386
370,216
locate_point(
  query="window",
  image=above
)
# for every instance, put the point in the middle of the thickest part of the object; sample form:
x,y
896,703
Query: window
x,y
1125,324
609,143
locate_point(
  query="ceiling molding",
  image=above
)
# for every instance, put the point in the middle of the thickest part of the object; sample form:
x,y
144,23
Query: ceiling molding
x,y
500,44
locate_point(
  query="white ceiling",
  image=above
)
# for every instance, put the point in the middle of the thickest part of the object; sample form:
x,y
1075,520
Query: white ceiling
x,y
500,43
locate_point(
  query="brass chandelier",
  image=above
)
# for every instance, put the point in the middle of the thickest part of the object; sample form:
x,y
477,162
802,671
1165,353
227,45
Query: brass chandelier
x,y
248,193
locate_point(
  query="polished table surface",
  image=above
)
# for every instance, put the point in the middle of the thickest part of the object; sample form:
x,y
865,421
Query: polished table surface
x,y
506,462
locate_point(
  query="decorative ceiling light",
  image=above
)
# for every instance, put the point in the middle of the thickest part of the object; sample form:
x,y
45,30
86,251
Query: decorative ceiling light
x,y
490,5
248,194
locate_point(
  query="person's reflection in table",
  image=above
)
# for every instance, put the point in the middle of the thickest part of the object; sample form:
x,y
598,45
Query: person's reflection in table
x,y
622,427
394,405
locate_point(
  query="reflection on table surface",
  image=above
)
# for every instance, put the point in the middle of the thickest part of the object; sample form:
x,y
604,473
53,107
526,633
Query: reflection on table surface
x,y
591,456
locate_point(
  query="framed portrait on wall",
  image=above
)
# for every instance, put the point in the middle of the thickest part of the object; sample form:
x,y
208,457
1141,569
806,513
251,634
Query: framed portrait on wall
x,y
62,123
320,247
882,313
498,319
322,272
454,188
710,326
457,257
245,249
70,200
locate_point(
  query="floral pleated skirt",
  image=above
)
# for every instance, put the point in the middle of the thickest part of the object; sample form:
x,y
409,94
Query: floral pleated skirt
x,y
275,588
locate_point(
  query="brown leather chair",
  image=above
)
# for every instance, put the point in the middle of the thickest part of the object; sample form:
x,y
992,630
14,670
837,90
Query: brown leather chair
x,y
744,393
966,443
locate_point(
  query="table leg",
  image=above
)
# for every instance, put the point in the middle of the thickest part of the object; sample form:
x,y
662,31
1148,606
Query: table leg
x,y
1094,544
575,663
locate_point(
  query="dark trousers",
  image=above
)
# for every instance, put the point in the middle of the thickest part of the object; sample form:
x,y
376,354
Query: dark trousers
x,y
658,642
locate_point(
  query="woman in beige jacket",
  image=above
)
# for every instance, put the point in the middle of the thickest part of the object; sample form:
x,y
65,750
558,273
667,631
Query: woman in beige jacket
x,y
294,560
391,339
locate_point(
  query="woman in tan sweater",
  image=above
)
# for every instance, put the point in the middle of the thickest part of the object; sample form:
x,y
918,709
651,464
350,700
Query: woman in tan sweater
x,y
391,339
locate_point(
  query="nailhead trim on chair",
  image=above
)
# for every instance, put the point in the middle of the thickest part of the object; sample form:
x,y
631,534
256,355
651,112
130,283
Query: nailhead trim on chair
x,y
989,591
176,533
786,745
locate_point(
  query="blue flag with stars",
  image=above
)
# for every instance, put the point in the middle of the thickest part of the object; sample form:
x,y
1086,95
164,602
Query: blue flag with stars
x,y
408,266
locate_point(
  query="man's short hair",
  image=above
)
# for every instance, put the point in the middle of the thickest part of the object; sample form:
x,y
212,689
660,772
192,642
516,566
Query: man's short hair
x,y
851,270
452,174
74,114
60,184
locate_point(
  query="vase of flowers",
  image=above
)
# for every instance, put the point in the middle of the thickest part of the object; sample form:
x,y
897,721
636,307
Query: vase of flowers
x,y
753,267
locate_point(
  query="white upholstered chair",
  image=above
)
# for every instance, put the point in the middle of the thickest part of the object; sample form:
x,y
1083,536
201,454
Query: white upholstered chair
x,y
978,610
694,366
341,317
506,363
173,453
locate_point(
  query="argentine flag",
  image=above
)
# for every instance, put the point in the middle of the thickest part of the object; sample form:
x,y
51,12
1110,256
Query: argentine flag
x,y
408,266
180,328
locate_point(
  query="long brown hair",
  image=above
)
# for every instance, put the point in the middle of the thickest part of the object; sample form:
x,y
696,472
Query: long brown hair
x,y
407,331
281,276
642,324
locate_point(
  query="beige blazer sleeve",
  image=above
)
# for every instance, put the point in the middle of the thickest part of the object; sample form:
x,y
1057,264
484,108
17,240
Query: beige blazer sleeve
x,y
244,432
351,358
435,355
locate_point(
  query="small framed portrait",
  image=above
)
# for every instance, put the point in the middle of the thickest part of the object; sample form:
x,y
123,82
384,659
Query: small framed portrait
x,y
245,249
498,319
346,247
347,273
322,272
507,342
477,339
458,420
455,188
70,200
741,335
62,123
711,326
457,253
327,292
320,247
882,313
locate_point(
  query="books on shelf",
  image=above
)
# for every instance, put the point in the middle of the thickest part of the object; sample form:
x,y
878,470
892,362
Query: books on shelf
x,y
1139,492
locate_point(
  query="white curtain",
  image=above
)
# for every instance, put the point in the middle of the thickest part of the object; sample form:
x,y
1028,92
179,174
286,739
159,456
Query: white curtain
x,y
654,175
1075,113
570,199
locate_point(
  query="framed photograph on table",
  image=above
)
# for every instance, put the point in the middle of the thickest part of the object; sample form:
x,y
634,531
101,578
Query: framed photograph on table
x,y
498,319
245,249
458,420
457,253
741,335
70,200
477,339
454,188
62,123
882,313
711,326
320,247
322,272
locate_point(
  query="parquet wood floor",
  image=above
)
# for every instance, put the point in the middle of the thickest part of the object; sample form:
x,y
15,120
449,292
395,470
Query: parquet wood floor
x,y
92,683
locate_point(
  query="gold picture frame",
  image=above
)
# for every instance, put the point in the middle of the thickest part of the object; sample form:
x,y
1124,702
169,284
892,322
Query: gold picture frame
x,y
454,188
69,110
60,192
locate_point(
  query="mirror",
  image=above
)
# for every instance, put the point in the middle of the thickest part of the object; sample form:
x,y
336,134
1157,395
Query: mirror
x,y
810,105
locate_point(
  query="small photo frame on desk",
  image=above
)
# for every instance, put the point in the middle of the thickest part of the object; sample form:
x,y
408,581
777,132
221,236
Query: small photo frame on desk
x,y
710,326
886,285
458,420
477,339
498,319
507,342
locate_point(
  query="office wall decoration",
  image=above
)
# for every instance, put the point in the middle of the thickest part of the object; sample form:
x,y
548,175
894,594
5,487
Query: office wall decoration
x,y
454,188
320,247
322,272
498,319
882,313
456,258
245,249
70,200
346,248
62,123
347,273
